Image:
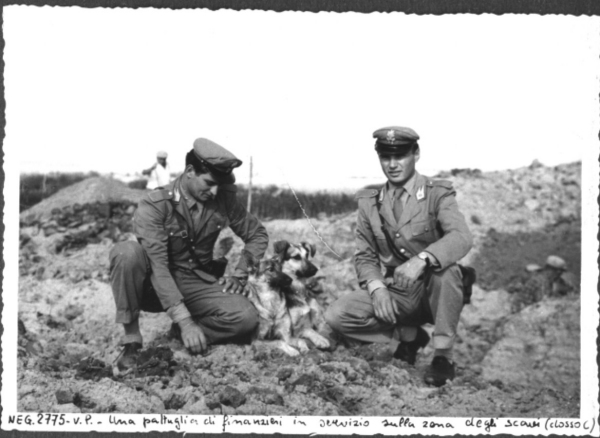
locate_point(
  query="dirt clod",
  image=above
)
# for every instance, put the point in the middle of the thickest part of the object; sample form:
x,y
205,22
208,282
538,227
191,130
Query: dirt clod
x,y
90,368
64,396
230,396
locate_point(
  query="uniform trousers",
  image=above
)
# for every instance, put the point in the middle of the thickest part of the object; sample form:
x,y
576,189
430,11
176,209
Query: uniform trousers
x,y
222,316
437,299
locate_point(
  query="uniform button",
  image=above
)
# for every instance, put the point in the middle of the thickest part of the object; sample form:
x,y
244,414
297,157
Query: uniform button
x,y
171,234
170,193
193,247
402,250
426,229
219,227
190,260
397,234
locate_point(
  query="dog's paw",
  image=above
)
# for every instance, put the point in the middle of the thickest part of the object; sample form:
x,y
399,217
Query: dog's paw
x,y
302,346
289,350
321,343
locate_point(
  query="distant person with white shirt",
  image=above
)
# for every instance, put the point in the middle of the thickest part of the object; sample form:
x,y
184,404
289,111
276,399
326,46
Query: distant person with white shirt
x,y
160,173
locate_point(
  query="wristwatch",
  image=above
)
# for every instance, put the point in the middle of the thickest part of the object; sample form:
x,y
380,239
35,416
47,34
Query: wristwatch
x,y
424,256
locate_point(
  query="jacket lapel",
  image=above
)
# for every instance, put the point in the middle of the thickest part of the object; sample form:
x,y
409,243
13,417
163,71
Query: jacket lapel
x,y
412,207
385,208
209,209
181,208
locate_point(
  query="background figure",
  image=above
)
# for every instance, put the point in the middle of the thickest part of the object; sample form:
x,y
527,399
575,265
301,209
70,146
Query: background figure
x,y
160,172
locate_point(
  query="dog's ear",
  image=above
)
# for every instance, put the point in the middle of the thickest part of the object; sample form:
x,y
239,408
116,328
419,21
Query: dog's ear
x,y
310,247
280,247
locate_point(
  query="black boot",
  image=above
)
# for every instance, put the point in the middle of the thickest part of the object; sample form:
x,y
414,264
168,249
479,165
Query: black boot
x,y
126,360
439,372
407,351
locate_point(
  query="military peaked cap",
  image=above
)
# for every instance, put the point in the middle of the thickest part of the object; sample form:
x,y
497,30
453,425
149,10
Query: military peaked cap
x,y
219,161
394,139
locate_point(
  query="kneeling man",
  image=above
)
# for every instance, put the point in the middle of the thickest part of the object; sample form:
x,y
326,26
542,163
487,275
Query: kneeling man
x,y
171,268
413,227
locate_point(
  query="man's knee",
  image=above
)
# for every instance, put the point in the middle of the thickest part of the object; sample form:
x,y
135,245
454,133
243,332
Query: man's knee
x,y
446,286
242,316
332,316
450,276
127,255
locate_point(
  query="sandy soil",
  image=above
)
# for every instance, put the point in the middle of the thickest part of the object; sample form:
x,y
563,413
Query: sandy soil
x,y
517,352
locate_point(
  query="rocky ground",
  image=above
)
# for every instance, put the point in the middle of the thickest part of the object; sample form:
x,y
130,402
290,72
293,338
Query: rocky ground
x,y
517,353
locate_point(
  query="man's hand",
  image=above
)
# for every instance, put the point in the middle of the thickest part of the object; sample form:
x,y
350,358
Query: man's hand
x,y
192,336
385,307
149,170
407,273
234,285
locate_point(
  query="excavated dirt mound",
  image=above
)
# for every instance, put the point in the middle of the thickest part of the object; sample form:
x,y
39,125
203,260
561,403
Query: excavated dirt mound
x,y
517,350
89,191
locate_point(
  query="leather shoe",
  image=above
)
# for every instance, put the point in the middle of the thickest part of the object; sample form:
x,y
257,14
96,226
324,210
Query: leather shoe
x,y
439,372
127,359
407,351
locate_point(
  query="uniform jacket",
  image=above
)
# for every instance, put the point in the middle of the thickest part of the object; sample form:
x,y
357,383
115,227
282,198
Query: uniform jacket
x,y
162,225
430,221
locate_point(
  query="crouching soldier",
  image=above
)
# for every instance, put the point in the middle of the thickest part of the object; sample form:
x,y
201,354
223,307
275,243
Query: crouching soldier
x,y
413,227
171,268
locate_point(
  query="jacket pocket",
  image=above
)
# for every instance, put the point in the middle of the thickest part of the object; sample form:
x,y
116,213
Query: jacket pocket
x,y
382,245
177,242
423,231
214,225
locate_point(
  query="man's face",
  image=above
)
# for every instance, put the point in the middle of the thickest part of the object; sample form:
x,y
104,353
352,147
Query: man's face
x,y
399,166
201,187
162,161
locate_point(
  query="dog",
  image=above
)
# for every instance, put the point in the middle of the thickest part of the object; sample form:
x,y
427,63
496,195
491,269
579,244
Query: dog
x,y
267,289
305,311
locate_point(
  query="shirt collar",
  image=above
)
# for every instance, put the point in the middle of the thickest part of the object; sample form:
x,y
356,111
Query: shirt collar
x,y
189,201
409,185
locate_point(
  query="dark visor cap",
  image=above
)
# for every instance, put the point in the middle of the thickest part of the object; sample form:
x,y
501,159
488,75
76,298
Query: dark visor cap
x,y
395,139
218,160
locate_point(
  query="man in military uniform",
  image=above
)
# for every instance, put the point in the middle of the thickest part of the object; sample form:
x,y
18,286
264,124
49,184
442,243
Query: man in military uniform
x,y
413,227
171,268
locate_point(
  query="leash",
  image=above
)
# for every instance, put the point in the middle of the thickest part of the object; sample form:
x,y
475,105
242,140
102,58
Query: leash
x,y
307,218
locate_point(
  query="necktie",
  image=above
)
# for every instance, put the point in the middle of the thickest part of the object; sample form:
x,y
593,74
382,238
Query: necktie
x,y
196,211
398,204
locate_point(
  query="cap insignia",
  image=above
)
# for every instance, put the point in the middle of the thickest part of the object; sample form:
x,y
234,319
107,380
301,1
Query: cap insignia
x,y
391,135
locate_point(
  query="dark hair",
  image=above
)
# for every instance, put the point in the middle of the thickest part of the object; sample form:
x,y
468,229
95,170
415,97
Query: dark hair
x,y
192,160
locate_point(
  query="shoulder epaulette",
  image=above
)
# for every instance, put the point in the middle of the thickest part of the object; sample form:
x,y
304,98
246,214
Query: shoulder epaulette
x,y
160,195
440,183
366,193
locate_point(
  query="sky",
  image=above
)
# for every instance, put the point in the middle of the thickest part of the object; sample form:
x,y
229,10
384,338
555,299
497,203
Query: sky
x,y
300,93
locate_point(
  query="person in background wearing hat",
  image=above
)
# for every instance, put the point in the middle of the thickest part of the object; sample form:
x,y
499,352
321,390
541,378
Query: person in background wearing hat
x,y
159,173
171,268
411,226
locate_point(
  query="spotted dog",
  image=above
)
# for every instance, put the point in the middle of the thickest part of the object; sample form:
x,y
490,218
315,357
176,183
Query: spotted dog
x,y
305,311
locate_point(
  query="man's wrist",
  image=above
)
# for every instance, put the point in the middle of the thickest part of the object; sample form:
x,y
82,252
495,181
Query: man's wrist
x,y
186,322
373,285
378,289
424,257
178,312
